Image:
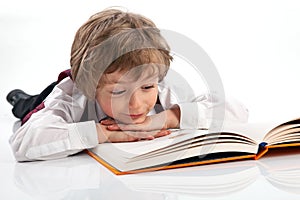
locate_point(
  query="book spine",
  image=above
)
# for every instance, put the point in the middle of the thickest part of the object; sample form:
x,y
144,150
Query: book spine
x,y
262,150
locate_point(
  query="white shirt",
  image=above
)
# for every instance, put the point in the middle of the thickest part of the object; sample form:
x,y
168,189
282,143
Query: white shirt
x,y
67,123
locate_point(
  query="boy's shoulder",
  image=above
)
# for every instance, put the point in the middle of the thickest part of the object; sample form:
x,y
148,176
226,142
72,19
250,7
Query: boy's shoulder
x,y
66,87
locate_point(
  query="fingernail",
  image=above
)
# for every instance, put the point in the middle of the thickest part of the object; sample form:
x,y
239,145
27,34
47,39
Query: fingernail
x,y
150,137
167,132
112,127
103,121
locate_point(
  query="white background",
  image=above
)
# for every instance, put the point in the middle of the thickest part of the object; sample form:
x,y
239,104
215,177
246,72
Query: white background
x,y
255,46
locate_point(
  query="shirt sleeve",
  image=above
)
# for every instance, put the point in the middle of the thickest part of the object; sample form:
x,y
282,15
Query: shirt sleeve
x,y
56,130
200,111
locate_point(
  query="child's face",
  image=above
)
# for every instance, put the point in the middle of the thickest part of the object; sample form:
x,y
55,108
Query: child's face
x,y
125,99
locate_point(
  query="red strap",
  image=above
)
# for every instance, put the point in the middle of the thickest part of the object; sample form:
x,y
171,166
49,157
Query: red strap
x,y
39,107
64,74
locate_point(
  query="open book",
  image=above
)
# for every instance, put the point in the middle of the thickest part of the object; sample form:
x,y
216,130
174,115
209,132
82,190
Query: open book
x,y
184,148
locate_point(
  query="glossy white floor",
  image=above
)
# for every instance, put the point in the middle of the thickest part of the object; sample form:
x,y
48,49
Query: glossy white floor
x,y
255,47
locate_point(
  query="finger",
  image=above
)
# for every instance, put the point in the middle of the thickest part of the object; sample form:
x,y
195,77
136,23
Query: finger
x,y
148,135
163,133
114,127
130,127
108,122
141,135
122,137
131,136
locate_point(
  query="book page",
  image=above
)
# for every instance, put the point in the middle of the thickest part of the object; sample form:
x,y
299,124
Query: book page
x,y
255,131
144,146
285,133
177,138
182,144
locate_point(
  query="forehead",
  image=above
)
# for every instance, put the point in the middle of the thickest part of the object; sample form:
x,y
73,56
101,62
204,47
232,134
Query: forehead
x,y
136,74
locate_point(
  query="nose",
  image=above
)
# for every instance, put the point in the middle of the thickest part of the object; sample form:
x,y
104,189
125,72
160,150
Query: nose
x,y
135,100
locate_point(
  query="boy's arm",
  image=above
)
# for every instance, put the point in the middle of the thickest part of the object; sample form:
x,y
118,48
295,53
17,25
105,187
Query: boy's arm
x,y
54,131
34,141
199,110
202,111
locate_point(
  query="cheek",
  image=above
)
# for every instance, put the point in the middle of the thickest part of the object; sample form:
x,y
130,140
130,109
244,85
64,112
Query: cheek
x,y
104,101
152,98
107,109
109,106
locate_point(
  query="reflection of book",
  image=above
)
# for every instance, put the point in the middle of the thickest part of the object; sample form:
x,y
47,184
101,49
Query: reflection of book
x,y
225,179
205,182
195,147
283,172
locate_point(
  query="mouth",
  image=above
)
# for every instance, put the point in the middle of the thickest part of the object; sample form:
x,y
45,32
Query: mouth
x,y
135,116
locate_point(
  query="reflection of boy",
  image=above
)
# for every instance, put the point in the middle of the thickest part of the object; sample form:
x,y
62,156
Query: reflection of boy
x,y
118,63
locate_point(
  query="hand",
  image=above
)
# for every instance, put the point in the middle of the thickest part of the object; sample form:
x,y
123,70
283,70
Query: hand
x,y
106,135
161,121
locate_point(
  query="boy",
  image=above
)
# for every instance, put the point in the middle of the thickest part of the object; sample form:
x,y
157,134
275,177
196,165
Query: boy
x,y
115,92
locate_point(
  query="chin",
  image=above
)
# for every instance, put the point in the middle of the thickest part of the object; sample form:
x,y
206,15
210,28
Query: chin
x,y
133,121
138,121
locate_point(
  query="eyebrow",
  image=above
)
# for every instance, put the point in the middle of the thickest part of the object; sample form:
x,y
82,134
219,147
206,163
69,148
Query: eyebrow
x,y
115,81
130,80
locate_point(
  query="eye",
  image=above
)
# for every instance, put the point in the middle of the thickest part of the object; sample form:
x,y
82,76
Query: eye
x,y
147,87
117,92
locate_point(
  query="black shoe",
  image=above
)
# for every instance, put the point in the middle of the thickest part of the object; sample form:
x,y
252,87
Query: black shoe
x,y
15,96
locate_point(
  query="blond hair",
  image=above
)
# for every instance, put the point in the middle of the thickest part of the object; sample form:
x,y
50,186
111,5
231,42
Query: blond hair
x,y
114,40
